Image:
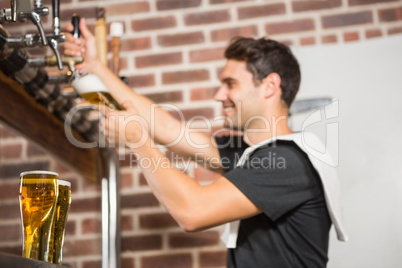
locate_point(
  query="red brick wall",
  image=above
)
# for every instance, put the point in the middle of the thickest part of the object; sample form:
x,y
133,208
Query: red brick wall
x,y
172,52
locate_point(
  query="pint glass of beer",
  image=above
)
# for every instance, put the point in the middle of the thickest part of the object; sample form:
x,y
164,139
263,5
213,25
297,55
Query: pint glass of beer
x,y
60,219
91,88
38,192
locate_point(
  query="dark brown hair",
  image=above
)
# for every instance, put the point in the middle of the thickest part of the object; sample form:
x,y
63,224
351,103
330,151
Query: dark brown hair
x,y
266,56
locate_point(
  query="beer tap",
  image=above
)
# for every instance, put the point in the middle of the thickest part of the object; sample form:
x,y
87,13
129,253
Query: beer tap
x,y
9,14
68,61
22,10
57,37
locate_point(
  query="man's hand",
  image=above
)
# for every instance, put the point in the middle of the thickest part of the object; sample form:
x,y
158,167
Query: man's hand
x,y
84,46
125,128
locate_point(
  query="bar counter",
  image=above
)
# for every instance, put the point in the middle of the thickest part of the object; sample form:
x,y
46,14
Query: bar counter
x,y
15,261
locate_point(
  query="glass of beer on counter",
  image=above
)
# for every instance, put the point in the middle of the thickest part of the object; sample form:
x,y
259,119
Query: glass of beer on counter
x,y
44,203
91,88
60,219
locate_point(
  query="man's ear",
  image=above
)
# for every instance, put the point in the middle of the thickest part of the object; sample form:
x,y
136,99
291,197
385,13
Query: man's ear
x,y
272,84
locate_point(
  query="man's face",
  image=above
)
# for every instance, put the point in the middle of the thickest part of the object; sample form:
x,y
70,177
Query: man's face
x,y
240,98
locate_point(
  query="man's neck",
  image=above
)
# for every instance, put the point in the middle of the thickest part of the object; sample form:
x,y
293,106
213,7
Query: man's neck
x,y
255,135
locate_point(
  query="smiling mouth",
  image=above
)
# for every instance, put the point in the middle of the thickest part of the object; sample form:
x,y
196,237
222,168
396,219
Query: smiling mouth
x,y
228,110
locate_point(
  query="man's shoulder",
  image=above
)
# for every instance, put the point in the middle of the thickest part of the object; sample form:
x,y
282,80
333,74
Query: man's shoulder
x,y
285,148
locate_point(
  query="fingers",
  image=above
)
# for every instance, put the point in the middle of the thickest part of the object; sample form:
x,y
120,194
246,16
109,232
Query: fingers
x,y
69,37
77,45
109,125
73,46
129,106
69,27
73,49
85,32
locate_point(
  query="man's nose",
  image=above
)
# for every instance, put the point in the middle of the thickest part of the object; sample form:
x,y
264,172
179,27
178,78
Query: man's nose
x,y
221,94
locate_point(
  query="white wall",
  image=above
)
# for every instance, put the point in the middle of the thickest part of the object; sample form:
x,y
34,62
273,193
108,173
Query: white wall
x,y
366,78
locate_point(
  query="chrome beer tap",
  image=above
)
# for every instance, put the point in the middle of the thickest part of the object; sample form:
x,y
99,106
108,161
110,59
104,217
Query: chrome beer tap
x,y
57,37
22,10
68,61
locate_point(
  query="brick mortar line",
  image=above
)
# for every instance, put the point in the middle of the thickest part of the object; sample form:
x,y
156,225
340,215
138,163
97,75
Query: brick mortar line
x,y
10,243
11,201
187,67
154,46
152,6
165,241
154,209
25,160
288,10
9,182
185,55
158,77
79,216
140,190
190,106
345,4
83,195
187,96
11,141
10,222
196,260
81,236
174,87
24,150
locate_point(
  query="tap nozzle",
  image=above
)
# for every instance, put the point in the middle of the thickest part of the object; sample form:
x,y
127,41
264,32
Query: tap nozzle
x,y
54,46
68,61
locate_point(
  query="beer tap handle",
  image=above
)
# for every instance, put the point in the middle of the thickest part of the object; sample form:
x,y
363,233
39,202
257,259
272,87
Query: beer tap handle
x,y
14,10
56,17
75,21
35,18
116,31
101,35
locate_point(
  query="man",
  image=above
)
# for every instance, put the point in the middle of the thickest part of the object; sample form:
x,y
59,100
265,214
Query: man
x,y
283,198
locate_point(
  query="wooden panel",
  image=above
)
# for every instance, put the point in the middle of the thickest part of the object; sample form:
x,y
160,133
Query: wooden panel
x,y
20,112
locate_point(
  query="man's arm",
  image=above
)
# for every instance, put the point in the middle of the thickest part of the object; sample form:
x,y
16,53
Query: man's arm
x,y
195,207
166,129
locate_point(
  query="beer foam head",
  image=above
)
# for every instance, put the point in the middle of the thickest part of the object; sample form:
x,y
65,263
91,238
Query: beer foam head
x,y
64,183
38,172
89,83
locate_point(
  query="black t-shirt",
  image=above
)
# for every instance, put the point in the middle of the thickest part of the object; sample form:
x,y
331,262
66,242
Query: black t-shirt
x,y
293,230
